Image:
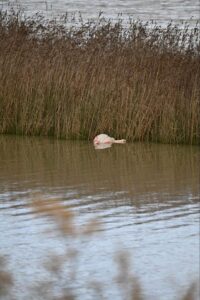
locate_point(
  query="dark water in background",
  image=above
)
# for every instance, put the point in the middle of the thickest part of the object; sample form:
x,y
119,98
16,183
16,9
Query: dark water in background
x,y
160,10
147,198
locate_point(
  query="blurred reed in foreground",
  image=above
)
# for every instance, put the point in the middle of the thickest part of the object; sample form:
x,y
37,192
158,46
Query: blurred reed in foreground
x,y
138,82
61,284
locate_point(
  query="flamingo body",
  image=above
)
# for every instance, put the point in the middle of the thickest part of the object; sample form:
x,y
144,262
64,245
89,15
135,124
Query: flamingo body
x,y
106,139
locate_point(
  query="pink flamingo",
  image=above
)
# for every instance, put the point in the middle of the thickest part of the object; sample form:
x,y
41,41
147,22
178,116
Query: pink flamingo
x,y
105,139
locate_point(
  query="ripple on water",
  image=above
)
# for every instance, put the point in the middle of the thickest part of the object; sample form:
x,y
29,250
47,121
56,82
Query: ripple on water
x,y
145,196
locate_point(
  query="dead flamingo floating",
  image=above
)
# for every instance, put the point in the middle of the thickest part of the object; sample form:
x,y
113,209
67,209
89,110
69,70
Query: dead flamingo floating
x,y
104,139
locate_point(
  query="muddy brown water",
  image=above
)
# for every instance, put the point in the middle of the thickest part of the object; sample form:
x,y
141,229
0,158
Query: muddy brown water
x,y
146,197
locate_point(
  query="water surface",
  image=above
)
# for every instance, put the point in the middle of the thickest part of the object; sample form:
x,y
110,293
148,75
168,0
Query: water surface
x,y
146,196
160,10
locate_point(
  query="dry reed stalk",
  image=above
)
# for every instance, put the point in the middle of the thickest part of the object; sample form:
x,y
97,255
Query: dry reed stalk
x,y
139,83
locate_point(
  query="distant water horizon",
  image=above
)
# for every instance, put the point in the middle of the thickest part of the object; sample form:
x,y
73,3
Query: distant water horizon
x,y
161,11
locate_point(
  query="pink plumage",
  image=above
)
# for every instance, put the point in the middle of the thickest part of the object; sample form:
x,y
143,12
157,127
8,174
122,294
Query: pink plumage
x,y
105,139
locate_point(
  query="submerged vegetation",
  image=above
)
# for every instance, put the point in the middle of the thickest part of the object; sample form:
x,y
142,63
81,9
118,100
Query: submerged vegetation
x,y
135,81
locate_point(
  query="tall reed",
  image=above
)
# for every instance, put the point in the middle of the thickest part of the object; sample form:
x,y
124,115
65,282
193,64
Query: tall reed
x,y
138,82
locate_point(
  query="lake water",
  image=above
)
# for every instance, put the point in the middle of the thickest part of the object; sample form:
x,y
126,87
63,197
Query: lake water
x,y
146,197
160,10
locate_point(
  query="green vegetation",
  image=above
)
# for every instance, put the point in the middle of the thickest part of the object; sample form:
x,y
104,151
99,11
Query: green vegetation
x,y
138,82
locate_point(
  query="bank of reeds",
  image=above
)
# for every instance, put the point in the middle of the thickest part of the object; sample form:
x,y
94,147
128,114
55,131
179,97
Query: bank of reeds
x,y
139,82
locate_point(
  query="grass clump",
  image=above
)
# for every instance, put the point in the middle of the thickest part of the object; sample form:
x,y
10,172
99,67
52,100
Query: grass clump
x,y
138,82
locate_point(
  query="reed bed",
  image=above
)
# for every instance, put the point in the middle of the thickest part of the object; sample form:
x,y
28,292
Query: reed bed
x,y
135,81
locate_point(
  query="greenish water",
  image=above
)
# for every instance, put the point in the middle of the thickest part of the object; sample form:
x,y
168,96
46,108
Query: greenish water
x,y
146,197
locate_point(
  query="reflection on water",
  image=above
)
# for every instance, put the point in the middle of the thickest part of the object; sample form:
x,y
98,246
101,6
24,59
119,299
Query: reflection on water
x,y
102,146
144,9
146,195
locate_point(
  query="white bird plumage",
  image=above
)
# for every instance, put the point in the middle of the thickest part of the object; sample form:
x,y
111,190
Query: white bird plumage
x,y
106,139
